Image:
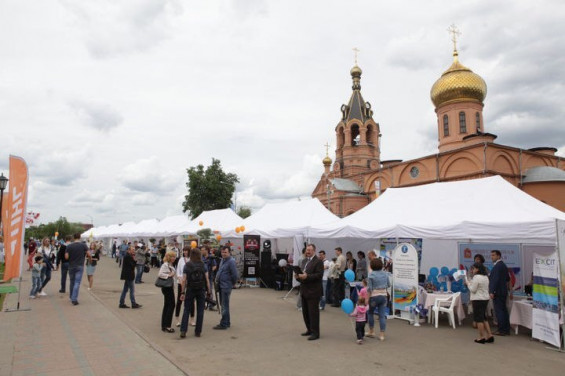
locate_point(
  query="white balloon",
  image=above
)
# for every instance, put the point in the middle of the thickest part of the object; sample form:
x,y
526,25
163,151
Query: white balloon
x,y
282,263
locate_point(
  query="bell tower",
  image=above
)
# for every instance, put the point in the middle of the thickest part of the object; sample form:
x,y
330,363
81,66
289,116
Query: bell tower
x,y
357,134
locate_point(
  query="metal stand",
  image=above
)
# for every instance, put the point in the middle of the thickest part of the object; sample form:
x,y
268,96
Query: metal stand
x,y
288,293
18,309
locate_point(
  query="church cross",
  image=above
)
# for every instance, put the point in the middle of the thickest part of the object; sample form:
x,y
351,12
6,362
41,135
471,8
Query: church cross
x,y
454,31
356,51
327,145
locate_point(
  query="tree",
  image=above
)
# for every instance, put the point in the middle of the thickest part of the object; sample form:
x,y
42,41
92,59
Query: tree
x,y
244,212
62,226
208,189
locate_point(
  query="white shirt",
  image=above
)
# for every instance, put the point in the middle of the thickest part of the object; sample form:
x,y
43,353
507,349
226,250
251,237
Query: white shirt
x,y
326,270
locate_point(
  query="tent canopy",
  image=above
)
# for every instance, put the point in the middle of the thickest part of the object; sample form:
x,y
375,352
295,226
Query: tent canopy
x,y
479,209
282,220
221,220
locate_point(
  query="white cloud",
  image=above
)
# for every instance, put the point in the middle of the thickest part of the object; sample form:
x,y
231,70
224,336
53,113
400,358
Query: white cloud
x,y
96,115
150,175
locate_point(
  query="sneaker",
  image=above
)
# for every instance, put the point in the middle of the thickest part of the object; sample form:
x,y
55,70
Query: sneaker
x,y
136,306
123,306
182,334
88,289
192,323
32,296
219,327
74,302
62,291
42,293
178,324
359,341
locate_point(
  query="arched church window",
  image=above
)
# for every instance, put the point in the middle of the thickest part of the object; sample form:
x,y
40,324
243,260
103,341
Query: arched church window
x,y
370,135
355,135
478,121
445,126
462,123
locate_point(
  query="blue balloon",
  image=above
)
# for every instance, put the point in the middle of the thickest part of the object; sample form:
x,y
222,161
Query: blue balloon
x,y
349,275
347,306
444,270
434,271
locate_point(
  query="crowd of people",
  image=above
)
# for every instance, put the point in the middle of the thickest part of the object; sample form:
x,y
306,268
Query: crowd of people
x,y
205,278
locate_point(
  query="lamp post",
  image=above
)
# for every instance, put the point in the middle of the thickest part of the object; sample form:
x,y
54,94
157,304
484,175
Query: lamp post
x,y
91,220
3,184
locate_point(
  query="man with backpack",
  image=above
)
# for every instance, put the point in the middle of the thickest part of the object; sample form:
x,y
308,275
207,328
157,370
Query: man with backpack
x,y
194,286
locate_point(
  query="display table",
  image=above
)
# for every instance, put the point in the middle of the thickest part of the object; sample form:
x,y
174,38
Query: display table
x,y
521,314
428,300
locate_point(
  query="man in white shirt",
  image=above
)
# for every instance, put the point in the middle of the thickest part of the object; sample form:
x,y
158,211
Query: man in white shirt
x,y
322,256
339,290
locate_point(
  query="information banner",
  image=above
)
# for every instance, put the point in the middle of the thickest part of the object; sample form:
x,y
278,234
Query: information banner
x,y
405,277
561,255
511,256
545,314
13,218
251,260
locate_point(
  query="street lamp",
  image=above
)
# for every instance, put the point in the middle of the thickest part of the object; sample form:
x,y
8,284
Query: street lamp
x,y
3,184
91,220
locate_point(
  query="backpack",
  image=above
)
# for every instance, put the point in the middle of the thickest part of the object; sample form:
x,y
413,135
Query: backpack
x,y
195,276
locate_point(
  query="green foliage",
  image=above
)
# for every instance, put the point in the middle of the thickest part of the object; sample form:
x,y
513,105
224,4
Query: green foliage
x,y
208,189
62,226
204,234
244,212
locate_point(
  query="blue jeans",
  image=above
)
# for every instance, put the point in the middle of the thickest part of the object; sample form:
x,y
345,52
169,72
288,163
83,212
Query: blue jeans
x,y
191,296
378,302
45,278
64,272
323,298
139,269
36,285
128,285
75,275
225,302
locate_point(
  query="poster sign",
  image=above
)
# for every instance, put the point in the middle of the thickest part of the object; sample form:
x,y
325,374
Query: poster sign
x,y
405,277
561,255
511,256
545,314
14,217
251,260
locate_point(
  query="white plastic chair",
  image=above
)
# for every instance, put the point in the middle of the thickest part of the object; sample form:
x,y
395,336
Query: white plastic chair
x,y
446,305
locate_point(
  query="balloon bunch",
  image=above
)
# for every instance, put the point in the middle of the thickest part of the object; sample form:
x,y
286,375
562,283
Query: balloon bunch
x,y
432,277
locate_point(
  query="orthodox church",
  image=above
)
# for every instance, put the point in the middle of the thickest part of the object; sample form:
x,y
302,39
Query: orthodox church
x,y
465,150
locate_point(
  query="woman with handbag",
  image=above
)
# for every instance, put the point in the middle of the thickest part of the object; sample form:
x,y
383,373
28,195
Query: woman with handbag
x,y
166,282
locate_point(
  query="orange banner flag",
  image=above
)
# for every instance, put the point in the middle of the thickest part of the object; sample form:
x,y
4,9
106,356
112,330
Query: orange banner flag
x,y
13,220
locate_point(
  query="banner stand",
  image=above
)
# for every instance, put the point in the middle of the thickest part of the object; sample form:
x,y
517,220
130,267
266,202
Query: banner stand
x,y
560,248
405,282
18,309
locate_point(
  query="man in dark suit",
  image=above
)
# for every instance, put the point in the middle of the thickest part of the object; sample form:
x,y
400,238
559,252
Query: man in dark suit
x,y
498,290
311,291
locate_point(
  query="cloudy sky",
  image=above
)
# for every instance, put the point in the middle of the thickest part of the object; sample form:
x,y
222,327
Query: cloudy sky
x,y
110,101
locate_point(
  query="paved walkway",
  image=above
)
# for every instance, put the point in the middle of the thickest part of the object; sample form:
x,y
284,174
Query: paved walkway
x,y
57,338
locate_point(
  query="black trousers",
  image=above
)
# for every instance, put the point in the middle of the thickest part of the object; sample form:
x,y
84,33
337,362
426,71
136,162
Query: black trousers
x,y
168,307
339,289
311,314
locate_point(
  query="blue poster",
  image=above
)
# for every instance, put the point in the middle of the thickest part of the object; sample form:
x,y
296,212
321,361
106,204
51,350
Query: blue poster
x,y
511,255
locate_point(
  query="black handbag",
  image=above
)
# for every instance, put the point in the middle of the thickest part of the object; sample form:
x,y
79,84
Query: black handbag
x,y
146,268
162,282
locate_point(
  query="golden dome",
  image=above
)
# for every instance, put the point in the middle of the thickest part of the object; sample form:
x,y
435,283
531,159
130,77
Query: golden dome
x,y
327,161
356,71
458,84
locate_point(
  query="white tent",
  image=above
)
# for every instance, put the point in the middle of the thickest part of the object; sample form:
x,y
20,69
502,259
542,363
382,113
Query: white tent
x,y
222,220
478,209
283,220
145,228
